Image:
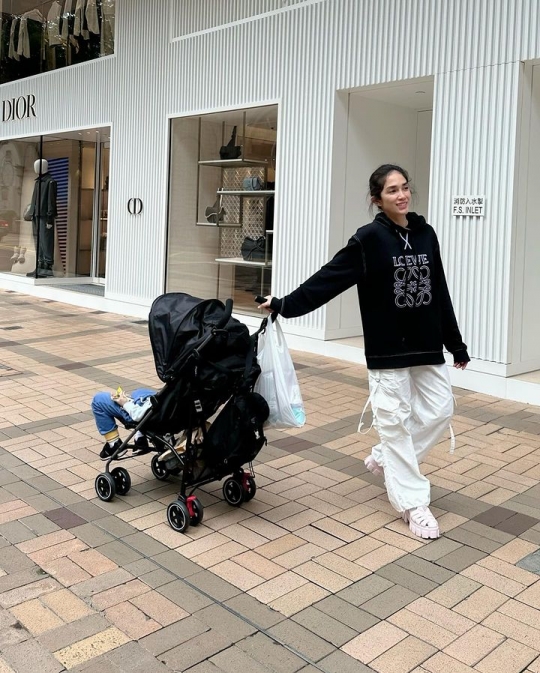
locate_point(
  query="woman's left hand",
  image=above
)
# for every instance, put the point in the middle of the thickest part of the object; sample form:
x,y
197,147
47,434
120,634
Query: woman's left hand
x,y
460,365
267,303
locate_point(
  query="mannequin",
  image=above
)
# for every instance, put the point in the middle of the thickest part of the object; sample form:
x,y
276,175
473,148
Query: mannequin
x,y
43,213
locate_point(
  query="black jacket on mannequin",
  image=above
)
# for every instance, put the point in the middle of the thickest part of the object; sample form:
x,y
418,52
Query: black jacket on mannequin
x,y
44,198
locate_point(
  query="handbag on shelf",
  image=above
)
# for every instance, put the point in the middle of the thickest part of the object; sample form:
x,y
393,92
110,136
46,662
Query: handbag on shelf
x,y
252,184
253,249
215,213
231,150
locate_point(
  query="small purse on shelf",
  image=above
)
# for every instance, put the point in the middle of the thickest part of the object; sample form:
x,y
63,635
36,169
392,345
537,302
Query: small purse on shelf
x,y
231,150
252,184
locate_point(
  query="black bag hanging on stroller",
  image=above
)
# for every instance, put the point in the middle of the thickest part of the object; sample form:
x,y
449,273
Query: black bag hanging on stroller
x,y
237,436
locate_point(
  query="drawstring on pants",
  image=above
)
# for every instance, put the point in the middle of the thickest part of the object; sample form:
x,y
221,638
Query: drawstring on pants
x,y
452,435
368,402
452,439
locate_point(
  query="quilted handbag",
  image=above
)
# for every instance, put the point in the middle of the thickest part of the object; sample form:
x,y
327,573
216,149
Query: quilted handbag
x,y
252,249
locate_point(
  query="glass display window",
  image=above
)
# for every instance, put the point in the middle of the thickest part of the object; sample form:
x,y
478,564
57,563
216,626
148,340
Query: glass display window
x,y
54,206
221,205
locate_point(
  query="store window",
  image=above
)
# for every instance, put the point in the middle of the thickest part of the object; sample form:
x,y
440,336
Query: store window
x,y
37,37
221,205
53,206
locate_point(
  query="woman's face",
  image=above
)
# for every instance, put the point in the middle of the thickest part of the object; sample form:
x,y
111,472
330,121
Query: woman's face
x,y
395,197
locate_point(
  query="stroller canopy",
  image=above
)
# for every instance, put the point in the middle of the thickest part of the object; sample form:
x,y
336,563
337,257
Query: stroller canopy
x,y
179,323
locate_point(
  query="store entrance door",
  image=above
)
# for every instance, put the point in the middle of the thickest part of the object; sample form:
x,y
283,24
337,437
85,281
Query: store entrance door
x,y
386,124
94,198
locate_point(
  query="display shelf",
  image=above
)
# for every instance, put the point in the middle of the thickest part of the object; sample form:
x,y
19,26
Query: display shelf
x,y
249,193
220,225
240,261
234,163
246,218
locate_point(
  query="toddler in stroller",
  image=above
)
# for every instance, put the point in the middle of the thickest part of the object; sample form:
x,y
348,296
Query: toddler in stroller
x,y
108,408
207,362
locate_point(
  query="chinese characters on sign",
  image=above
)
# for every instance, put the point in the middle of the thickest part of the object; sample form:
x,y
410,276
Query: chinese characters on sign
x,y
467,206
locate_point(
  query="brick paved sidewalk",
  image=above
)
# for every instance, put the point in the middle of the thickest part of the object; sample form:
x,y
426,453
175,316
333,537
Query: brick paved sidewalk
x,y
316,573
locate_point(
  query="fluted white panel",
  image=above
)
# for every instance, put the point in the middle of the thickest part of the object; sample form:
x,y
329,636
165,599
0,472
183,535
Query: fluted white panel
x,y
139,156
236,53
474,153
192,16
385,40
65,99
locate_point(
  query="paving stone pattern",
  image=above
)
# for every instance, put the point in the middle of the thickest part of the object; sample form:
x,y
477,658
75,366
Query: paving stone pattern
x,y
316,573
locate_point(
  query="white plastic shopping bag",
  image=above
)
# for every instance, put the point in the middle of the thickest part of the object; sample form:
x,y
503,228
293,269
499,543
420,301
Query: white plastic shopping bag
x,y
277,382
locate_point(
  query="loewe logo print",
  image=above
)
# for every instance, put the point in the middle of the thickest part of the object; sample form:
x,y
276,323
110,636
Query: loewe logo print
x,y
412,281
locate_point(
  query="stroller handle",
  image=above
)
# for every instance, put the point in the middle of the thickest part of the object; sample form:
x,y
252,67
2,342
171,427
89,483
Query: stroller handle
x,y
227,315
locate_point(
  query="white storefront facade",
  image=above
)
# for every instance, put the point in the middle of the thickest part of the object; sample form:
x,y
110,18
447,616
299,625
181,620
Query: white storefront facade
x,y
320,92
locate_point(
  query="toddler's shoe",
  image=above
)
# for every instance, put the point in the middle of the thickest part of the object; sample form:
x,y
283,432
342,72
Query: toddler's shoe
x,y
107,451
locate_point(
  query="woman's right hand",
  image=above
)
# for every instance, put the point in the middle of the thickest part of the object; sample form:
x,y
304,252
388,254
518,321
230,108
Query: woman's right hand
x,y
266,303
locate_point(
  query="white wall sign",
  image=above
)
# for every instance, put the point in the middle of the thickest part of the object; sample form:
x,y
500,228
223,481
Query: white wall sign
x,y
468,206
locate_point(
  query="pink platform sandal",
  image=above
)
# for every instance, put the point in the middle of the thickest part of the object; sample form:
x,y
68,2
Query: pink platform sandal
x,y
422,522
373,466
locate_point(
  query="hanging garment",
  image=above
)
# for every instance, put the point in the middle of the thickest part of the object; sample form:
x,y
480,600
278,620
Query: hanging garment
x,y
80,20
68,25
66,19
23,45
53,24
107,27
13,36
92,18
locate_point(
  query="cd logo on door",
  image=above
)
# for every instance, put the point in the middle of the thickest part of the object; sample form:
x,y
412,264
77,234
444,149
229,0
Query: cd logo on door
x,y
135,206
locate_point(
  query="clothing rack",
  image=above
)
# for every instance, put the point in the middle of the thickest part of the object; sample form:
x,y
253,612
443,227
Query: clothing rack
x,y
69,30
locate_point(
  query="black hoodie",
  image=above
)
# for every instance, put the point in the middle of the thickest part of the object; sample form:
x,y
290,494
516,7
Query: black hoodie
x,y
405,305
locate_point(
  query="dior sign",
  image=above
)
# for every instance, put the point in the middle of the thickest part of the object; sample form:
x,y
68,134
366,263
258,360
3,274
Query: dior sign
x,y
18,108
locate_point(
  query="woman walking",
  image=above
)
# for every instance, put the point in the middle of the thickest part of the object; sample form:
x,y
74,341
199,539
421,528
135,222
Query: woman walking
x,y
408,317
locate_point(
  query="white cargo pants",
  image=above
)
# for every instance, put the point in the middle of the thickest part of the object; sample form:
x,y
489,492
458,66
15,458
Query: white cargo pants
x,y
412,409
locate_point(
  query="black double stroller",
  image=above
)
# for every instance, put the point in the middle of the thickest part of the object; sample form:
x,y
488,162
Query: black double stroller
x,y
207,362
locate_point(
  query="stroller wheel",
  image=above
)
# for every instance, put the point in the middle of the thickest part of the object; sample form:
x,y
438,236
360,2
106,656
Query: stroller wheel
x,y
250,488
158,469
122,480
233,492
178,516
105,487
198,512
